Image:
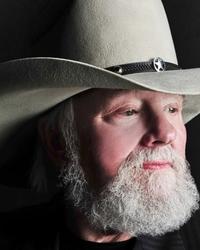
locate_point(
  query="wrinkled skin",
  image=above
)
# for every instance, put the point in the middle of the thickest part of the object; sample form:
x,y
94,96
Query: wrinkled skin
x,y
114,123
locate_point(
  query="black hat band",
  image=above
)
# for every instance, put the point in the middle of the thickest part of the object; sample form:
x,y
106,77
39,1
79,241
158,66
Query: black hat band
x,y
153,65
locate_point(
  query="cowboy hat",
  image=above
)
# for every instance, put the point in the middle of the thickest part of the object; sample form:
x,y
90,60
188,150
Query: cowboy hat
x,y
108,44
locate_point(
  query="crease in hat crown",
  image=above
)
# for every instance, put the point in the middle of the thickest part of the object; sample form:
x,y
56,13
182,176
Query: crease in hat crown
x,y
105,33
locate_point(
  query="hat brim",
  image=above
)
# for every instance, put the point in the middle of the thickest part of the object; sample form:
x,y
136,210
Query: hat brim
x,y
31,86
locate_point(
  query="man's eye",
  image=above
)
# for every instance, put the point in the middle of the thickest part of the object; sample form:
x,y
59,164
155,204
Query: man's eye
x,y
172,110
122,114
129,112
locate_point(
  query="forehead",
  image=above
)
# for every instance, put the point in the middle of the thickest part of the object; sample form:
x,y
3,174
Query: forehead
x,y
100,98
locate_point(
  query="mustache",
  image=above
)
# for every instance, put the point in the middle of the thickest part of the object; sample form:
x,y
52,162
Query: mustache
x,y
163,154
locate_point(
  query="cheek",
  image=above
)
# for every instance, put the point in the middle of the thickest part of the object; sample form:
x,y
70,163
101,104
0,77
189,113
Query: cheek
x,y
181,139
113,144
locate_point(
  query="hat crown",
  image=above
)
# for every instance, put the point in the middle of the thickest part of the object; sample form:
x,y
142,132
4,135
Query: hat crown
x,y
106,32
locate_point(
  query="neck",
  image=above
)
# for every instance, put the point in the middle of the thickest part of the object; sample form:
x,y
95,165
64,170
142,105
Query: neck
x,y
83,230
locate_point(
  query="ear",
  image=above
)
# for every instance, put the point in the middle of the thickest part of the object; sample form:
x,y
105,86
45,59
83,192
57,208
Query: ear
x,y
52,143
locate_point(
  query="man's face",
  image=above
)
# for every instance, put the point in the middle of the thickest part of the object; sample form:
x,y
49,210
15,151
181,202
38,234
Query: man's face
x,y
112,124
125,168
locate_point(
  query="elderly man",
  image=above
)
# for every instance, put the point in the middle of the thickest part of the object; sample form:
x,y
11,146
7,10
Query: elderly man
x,y
114,146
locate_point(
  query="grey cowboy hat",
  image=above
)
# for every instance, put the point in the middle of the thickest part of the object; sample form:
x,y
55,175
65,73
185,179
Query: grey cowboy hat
x,y
121,44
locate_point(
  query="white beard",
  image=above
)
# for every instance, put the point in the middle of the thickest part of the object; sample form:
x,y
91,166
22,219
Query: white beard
x,y
137,201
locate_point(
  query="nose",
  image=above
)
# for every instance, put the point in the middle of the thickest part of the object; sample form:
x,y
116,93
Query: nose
x,y
160,132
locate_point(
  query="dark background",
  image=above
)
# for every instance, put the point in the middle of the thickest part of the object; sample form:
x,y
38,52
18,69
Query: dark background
x,y
184,19
34,28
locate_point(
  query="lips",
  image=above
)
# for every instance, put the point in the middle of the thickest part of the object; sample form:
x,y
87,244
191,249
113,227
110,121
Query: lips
x,y
155,165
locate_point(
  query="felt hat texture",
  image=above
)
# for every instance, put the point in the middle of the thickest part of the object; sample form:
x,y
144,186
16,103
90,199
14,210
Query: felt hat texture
x,y
98,34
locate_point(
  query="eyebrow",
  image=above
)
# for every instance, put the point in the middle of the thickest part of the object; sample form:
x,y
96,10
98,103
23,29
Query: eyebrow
x,y
109,106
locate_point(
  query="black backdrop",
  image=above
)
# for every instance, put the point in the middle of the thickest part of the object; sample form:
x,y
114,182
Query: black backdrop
x,y
35,28
184,19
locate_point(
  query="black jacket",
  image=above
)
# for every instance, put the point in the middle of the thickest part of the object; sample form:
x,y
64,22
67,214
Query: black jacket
x,y
41,227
